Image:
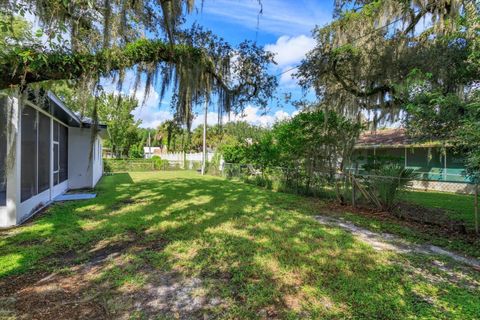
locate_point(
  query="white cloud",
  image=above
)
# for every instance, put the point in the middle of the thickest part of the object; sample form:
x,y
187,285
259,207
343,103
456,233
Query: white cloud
x,y
291,50
150,100
254,115
251,114
151,117
150,112
212,118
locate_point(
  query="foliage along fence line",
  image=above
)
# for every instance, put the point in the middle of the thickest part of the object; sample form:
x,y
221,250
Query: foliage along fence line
x,y
138,165
380,190
111,166
348,187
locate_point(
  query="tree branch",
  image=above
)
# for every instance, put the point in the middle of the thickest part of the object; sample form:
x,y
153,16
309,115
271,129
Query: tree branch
x,y
415,19
355,90
30,65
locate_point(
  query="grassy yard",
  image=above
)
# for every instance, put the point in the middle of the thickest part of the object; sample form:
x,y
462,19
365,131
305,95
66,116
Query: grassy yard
x,y
460,206
176,245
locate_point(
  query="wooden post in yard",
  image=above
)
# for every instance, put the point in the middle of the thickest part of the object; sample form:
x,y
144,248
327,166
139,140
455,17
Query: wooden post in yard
x,y
352,178
476,208
353,189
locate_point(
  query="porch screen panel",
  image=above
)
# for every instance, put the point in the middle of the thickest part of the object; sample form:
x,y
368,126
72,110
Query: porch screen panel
x,y
3,151
63,146
55,163
28,153
43,152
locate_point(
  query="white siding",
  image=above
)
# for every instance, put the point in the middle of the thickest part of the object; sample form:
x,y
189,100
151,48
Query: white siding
x,y
85,166
97,161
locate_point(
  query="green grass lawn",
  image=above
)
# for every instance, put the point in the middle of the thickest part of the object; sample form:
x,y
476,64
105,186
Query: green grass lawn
x,y
460,206
257,253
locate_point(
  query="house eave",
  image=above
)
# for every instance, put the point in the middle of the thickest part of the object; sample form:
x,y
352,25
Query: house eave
x,y
398,146
62,110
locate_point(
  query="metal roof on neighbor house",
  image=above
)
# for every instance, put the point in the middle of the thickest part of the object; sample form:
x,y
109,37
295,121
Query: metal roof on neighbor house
x,y
391,138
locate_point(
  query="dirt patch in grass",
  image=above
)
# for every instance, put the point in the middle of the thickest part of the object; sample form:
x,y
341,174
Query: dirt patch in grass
x,y
171,294
461,275
51,296
436,217
106,284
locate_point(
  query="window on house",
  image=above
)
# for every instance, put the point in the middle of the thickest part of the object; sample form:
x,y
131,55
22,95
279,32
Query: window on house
x,y
28,153
60,153
56,126
63,157
36,139
56,161
3,152
44,138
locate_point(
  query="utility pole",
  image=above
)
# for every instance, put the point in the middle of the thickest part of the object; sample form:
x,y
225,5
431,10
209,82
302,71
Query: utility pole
x,y
204,155
149,146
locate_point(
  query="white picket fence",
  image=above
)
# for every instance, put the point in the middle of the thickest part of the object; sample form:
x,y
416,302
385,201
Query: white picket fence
x,y
178,156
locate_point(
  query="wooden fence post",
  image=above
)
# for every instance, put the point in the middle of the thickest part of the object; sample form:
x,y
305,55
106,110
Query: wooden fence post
x,y
352,179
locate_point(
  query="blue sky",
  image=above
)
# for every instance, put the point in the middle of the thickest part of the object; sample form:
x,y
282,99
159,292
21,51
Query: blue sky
x,y
284,27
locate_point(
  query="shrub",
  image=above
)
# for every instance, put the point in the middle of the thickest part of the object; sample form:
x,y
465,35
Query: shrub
x,y
382,186
159,163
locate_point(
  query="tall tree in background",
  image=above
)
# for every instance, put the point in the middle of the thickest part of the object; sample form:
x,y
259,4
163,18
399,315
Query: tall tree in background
x,y
171,135
122,129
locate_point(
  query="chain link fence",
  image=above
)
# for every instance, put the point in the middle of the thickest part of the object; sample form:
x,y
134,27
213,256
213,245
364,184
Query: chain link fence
x,y
346,187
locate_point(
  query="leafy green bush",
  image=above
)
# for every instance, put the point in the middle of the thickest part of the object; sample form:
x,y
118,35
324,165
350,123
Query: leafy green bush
x,y
159,163
127,165
234,153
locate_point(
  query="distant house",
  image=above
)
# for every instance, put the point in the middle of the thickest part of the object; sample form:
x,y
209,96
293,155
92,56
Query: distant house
x,y
45,150
437,166
149,152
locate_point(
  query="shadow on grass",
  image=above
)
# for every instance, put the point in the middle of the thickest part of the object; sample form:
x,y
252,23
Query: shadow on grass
x,y
175,243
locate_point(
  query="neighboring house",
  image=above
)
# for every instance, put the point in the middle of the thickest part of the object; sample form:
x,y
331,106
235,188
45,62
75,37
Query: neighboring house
x,y
437,166
191,157
45,150
149,152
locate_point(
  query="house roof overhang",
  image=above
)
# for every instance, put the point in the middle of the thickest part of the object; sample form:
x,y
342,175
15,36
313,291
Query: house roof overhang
x,y
57,108
61,112
391,138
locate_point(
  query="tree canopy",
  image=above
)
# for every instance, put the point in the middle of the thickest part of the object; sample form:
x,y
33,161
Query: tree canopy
x,y
89,39
369,57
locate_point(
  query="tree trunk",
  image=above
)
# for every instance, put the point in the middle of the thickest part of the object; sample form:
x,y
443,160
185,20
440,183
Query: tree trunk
x,y
476,208
204,155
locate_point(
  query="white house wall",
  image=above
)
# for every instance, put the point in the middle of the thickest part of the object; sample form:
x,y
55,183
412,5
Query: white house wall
x,y
79,168
97,161
85,165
